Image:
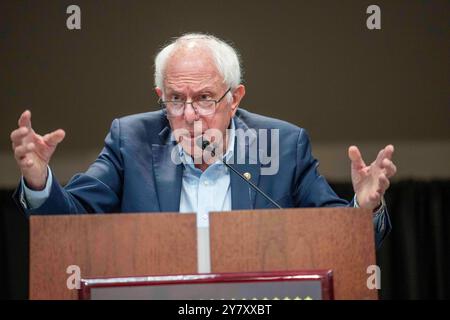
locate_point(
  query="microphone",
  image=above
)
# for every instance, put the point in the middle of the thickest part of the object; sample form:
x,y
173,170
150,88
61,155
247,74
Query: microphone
x,y
202,143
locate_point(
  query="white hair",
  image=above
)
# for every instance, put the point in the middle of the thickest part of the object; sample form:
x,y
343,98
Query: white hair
x,y
225,56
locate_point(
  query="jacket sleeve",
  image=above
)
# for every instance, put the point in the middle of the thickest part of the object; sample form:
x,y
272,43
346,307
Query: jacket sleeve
x,y
312,190
97,190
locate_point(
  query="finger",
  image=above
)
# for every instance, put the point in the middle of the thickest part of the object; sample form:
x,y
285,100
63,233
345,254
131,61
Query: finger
x,y
23,150
385,153
356,158
389,167
379,158
375,197
25,119
18,134
20,152
388,151
26,162
54,137
383,183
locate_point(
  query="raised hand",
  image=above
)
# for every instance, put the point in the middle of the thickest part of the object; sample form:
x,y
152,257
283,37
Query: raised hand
x,y
371,182
33,151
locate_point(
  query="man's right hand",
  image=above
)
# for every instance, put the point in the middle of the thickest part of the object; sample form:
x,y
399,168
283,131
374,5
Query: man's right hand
x,y
33,151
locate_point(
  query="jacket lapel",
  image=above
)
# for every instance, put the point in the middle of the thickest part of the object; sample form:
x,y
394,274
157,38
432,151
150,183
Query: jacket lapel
x,y
242,194
168,175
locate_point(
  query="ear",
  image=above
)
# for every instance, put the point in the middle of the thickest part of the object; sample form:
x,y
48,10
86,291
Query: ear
x,y
238,94
158,92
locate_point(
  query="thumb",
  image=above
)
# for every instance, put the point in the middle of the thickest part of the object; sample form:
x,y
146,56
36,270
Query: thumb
x,y
25,119
356,158
55,137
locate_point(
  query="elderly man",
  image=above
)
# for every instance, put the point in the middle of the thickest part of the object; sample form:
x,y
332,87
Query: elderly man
x,y
157,161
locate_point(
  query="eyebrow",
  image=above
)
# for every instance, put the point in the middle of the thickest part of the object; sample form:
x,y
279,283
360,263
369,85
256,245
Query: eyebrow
x,y
210,89
174,91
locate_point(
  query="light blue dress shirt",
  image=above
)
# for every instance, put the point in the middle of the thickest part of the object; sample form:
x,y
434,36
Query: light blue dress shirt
x,y
31,199
210,190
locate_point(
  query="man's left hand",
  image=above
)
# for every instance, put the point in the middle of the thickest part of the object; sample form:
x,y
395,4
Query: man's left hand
x,y
371,182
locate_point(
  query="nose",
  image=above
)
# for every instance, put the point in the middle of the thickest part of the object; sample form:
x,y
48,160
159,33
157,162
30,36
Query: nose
x,y
189,113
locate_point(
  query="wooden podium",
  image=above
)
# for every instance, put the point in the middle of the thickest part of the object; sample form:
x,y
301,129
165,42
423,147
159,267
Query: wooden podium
x,y
114,245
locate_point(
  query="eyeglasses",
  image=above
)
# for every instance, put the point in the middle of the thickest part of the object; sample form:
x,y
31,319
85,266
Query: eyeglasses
x,y
202,107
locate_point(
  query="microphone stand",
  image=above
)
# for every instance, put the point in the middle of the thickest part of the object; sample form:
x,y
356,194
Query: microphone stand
x,y
206,143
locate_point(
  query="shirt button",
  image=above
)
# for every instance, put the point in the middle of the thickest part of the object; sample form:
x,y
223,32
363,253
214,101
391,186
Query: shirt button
x,y
206,182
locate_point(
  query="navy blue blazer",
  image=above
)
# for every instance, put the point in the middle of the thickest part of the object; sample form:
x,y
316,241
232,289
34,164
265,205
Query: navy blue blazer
x,y
134,173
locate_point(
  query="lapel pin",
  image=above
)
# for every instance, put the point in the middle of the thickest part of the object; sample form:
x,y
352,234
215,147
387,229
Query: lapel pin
x,y
247,175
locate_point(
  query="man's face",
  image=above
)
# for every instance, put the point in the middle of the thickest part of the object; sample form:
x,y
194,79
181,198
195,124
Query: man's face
x,y
191,75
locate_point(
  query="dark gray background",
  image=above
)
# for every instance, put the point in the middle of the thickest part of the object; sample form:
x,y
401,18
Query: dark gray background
x,y
313,63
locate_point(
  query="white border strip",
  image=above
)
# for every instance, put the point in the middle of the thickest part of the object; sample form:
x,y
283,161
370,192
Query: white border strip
x,y
203,250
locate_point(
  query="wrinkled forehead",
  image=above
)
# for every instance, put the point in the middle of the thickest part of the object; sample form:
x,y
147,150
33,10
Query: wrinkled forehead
x,y
192,62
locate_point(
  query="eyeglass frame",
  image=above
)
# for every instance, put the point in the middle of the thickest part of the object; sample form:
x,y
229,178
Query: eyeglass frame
x,y
162,104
